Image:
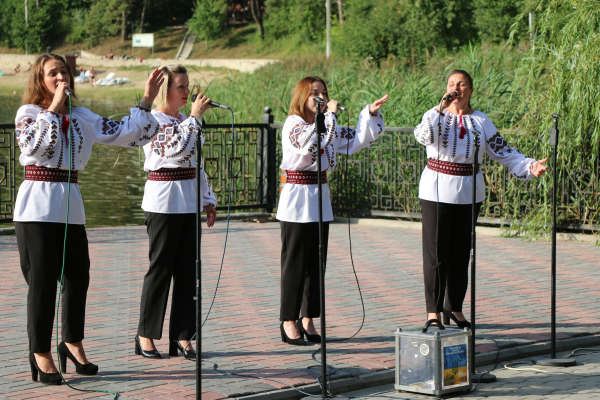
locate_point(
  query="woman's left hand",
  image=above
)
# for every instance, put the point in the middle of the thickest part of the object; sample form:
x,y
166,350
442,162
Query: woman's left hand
x,y
211,215
538,168
378,103
153,85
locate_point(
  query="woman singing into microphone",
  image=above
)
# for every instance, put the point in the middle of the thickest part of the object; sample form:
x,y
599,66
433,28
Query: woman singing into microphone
x,y
170,208
298,203
48,151
447,185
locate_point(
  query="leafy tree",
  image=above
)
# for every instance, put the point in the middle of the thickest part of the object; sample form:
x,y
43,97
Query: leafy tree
x,y
105,19
208,19
494,19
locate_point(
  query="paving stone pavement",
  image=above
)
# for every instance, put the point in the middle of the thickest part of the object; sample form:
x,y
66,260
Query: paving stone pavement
x,y
518,380
242,332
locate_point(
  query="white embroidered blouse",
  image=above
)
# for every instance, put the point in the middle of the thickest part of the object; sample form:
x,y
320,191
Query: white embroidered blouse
x,y
455,143
174,147
298,202
42,142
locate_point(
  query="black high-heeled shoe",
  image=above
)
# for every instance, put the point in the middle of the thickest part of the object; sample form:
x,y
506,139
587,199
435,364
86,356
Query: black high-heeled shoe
x,y
140,351
311,338
449,316
286,339
175,347
81,369
52,378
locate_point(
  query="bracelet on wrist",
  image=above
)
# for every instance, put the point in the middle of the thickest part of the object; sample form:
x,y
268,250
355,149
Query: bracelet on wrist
x,y
144,105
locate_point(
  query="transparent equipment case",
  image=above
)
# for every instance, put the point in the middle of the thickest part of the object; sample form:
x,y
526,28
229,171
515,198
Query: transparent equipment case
x,y
435,362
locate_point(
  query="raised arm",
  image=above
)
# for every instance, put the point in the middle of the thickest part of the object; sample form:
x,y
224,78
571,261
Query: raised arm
x,y
369,127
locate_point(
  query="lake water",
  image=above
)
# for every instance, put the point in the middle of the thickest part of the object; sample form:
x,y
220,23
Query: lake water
x,y
112,184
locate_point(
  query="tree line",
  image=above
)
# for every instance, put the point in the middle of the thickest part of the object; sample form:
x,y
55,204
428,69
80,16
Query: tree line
x,y
411,29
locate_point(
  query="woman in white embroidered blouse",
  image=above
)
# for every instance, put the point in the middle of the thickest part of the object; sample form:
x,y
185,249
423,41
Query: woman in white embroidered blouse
x,y
298,207
449,175
42,126
170,208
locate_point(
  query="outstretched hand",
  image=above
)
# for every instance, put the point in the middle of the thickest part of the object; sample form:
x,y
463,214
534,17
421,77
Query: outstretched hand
x,y
153,84
538,168
378,103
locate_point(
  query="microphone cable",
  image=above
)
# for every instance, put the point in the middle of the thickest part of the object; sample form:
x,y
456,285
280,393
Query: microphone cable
x,y
62,272
230,175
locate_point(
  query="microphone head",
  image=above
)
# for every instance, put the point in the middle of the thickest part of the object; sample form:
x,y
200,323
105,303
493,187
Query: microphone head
x,y
68,92
318,100
194,96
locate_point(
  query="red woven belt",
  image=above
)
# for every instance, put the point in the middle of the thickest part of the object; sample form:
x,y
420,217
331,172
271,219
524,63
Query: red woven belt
x,y
450,168
172,174
37,173
305,177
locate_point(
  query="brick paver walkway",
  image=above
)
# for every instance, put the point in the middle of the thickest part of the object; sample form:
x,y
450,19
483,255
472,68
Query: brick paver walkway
x,y
242,334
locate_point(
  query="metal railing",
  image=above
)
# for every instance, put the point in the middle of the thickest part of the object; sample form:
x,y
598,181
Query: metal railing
x,y
381,180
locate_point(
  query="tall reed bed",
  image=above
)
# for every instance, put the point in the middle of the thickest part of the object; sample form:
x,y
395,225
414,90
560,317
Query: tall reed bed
x,y
518,88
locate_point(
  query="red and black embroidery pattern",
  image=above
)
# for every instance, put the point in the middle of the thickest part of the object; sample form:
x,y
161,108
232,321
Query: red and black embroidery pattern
x,y
297,131
498,145
305,177
38,173
450,168
172,174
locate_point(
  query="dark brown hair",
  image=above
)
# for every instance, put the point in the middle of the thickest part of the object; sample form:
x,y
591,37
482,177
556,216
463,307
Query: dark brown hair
x,y
301,93
36,91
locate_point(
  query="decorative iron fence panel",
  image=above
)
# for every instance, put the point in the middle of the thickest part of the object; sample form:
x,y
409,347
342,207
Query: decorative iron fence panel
x,y
8,173
381,180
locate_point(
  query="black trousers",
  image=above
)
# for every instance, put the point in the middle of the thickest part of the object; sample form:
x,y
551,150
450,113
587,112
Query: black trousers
x,y
300,269
41,255
451,271
172,255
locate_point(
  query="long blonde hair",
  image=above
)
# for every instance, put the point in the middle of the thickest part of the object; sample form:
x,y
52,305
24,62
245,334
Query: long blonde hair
x,y
36,91
168,71
301,93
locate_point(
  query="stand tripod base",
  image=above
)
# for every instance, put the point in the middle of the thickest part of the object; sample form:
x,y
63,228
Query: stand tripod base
x,y
483,378
554,362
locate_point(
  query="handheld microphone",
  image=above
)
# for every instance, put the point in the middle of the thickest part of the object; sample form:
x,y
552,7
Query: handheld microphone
x,y
340,107
212,103
68,92
450,96
318,100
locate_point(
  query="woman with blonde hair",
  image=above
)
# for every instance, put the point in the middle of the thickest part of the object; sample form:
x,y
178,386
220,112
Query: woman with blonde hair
x,y
298,203
169,205
52,142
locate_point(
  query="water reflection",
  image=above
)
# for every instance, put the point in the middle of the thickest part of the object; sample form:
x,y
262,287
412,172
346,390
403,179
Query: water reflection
x,y
112,184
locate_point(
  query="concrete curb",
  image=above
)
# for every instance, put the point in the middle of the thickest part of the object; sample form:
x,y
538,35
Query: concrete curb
x,y
482,230
388,376
7,231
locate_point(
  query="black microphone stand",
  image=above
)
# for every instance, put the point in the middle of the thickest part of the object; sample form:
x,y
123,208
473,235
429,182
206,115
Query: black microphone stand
x,y
320,127
485,377
198,264
553,361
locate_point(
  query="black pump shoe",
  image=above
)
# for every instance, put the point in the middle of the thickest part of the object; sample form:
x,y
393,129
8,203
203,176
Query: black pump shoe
x,y
449,316
52,378
311,338
142,352
286,339
175,347
81,369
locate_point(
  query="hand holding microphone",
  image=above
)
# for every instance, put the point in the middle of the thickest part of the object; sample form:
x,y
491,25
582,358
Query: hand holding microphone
x,y
448,99
212,104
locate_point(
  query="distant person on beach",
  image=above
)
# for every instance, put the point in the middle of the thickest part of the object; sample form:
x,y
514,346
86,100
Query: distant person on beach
x,y
28,66
52,154
17,68
110,55
92,76
169,205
